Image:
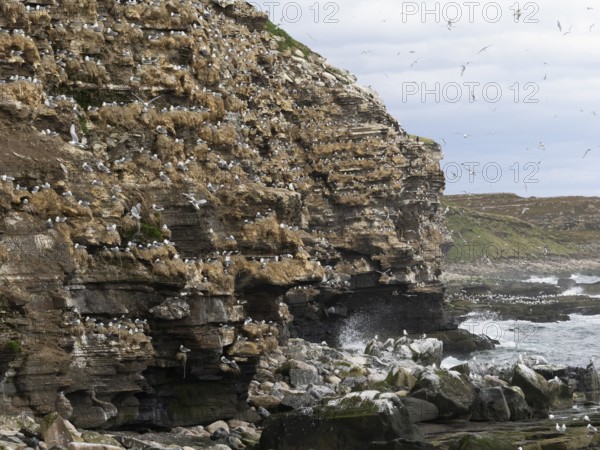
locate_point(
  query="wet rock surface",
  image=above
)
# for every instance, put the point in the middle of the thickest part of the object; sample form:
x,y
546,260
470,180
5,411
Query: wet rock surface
x,y
473,409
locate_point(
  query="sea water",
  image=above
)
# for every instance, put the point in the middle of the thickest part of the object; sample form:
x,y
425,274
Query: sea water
x,y
573,342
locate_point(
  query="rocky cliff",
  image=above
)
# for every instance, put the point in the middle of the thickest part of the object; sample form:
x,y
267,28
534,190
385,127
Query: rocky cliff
x,y
181,175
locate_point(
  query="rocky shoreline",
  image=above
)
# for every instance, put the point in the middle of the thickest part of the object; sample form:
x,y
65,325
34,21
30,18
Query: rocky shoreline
x,y
393,396
187,194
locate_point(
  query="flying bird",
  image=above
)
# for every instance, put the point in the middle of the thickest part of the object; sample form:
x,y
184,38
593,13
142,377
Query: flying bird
x,y
147,104
517,15
483,49
136,210
198,203
463,67
74,137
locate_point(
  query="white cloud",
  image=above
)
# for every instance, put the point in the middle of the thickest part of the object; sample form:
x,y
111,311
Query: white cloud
x,y
373,40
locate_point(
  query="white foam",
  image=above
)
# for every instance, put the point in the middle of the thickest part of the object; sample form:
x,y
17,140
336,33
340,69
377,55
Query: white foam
x,y
545,280
577,290
585,279
450,361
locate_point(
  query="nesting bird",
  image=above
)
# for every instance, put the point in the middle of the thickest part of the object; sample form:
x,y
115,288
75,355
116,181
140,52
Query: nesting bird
x,y
229,366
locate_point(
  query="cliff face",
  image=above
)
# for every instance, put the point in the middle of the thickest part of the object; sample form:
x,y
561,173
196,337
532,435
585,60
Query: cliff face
x,y
222,172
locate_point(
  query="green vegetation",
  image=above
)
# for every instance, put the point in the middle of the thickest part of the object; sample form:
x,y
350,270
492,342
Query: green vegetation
x,y
83,98
83,124
151,231
422,139
286,42
503,226
13,346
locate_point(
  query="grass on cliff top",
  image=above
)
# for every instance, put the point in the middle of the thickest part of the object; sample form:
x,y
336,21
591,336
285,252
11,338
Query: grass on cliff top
x,y
422,139
286,42
477,234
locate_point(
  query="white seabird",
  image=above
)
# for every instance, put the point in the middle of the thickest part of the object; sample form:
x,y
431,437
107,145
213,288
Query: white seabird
x,y
74,137
136,210
229,362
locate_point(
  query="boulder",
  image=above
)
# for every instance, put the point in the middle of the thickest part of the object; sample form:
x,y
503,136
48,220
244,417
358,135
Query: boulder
x,y
427,351
560,394
265,401
355,383
352,422
319,392
420,410
216,425
400,444
91,437
57,431
300,373
88,446
481,442
515,399
489,404
298,400
462,342
589,383
26,424
304,376
449,391
400,377
535,388
549,371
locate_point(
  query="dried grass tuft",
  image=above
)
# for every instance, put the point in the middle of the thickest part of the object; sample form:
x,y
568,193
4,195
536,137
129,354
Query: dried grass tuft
x,y
122,117
11,12
26,92
10,42
82,9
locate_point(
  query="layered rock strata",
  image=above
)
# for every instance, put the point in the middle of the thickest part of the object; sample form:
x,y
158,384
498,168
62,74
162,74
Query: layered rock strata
x,y
183,187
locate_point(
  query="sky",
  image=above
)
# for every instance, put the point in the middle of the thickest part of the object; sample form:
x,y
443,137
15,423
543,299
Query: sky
x,y
509,89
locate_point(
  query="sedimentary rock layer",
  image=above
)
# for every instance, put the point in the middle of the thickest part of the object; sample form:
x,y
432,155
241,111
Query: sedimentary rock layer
x,y
180,175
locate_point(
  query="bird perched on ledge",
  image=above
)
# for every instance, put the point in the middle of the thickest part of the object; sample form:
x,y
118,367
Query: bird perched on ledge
x,y
181,356
229,366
